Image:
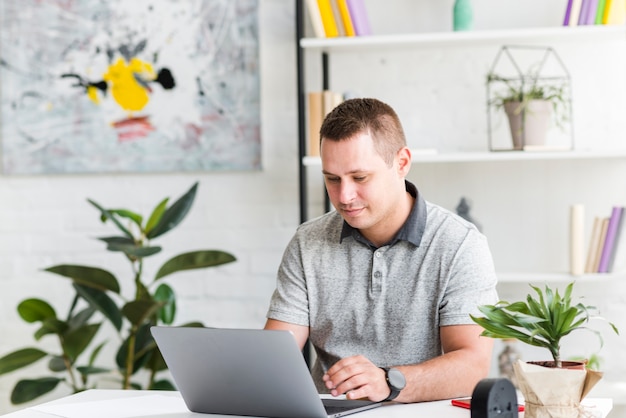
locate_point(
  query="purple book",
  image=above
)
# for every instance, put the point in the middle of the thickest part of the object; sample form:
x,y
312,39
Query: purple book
x,y
360,21
568,12
584,11
609,241
592,8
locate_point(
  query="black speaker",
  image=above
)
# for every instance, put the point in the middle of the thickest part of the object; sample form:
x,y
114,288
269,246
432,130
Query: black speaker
x,y
494,398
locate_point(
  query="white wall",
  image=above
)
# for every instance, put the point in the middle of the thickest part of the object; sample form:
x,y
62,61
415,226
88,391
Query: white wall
x,y
522,205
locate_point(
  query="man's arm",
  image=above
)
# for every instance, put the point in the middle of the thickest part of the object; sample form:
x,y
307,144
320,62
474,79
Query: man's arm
x,y
300,332
466,360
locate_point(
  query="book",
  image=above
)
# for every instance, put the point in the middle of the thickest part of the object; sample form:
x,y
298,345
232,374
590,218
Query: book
x,y
603,228
617,240
593,245
315,112
575,13
328,19
618,258
577,227
615,12
589,17
568,12
341,30
316,18
600,12
609,241
584,11
346,20
360,20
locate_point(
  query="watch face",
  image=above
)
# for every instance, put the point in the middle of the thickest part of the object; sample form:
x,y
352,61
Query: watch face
x,y
396,379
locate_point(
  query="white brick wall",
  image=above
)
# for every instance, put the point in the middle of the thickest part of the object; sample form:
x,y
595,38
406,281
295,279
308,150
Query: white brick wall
x,y
46,220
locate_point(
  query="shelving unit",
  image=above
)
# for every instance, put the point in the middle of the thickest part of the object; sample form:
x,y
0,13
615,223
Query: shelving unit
x,y
326,47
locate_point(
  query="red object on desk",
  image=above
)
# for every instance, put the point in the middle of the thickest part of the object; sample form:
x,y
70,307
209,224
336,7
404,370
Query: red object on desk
x,y
466,403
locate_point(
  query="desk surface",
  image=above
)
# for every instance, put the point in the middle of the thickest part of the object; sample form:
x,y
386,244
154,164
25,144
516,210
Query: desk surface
x,y
123,404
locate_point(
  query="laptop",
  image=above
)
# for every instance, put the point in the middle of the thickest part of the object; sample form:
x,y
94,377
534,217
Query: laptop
x,y
245,372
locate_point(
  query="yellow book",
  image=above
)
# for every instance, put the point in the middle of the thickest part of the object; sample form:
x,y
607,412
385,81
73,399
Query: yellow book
x,y
326,11
345,17
614,12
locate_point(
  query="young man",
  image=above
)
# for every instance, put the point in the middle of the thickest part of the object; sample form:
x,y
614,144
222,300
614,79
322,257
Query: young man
x,y
383,287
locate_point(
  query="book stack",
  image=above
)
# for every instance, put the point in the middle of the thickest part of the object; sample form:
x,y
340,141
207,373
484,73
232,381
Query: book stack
x,y
319,104
607,246
595,12
332,18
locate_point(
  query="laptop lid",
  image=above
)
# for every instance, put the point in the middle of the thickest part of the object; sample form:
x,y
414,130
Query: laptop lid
x,y
243,372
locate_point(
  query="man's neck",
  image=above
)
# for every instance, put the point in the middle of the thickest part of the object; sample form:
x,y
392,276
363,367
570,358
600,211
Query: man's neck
x,y
384,232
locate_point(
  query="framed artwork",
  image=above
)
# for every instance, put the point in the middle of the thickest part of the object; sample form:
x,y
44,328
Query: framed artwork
x,y
96,86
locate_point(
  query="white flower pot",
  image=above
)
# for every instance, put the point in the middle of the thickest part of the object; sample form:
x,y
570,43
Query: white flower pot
x,y
529,123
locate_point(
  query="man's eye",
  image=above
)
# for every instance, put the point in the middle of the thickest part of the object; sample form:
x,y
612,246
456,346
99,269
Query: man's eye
x,y
359,178
332,179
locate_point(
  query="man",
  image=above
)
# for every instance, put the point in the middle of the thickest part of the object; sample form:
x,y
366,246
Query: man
x,y
387,280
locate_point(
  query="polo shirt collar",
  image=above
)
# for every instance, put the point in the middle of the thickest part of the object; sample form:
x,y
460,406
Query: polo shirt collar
x,y
412,230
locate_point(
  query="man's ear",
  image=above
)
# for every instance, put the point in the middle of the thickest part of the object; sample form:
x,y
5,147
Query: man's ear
x,y
403,157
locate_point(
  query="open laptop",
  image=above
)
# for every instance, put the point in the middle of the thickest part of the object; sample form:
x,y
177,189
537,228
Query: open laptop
x,y
245,372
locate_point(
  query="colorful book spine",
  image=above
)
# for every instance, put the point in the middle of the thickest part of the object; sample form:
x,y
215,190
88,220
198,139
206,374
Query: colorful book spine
x,y
615,12
316,18
607,11
609,242
584,11
575,12
594,242
568,12
592,8
600,12
326,11
360,20
345,17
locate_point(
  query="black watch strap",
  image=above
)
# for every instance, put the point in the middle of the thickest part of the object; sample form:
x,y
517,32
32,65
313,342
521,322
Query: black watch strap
x,y
393,388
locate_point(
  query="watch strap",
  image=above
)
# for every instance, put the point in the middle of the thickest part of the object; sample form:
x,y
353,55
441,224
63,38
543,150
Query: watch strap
x,y
394,392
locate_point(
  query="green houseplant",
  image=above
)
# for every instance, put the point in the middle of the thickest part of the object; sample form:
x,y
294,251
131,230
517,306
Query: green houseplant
x,y
98,299
543,320
530,106
540,321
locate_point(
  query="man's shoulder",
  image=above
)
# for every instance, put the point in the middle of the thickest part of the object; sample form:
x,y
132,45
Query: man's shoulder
x,y
438,216
329,222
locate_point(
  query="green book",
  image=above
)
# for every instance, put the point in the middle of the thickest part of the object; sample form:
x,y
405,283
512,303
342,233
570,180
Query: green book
x,y
600,12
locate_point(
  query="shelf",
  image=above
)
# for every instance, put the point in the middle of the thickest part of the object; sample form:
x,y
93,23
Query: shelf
x,y
578,33
540,278
420,156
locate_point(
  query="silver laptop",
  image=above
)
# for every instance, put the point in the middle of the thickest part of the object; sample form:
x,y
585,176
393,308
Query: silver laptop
x,y
245,372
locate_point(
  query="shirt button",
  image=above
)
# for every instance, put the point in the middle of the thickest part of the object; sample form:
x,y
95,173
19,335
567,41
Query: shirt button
x,y
377,274
378,254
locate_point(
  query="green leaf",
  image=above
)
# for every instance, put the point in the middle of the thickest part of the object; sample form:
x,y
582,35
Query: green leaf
x,y
94,277
81,318
108,215
33,310
51,326
174,214
76,341
88,370
194,260
134,251
102,302
138,311
156,215
124,213
95,352
28,390
165,294
143,345
57,364
20,358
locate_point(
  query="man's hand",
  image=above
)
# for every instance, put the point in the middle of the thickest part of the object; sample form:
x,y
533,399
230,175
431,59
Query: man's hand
x,y
357,378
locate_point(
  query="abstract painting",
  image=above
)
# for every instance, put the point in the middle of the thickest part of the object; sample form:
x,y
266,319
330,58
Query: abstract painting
x,y
101,86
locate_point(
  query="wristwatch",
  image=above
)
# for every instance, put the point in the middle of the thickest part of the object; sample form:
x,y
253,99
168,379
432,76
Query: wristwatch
x,y
395,381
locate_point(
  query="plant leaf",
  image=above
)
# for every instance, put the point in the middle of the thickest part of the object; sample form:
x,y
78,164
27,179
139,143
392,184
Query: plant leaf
x,y
156,215
165,294
87,370
94,277
77,340
174,214
27,390
125,213
108,215
138,311
163,384
33,310
102,302
194,260
20,358
143,343
51,326
56,364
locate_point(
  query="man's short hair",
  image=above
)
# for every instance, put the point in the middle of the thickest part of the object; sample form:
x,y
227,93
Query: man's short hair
x,y
369,115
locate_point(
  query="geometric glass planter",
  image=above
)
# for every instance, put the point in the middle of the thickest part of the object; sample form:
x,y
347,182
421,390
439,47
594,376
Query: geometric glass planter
x,y
529,104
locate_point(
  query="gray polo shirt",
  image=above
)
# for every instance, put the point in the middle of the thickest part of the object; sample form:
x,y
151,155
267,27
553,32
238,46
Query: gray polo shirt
x,y
385,303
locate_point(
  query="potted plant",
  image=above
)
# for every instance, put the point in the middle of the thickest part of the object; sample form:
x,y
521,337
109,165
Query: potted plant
x,y
530,107
98,299
542,321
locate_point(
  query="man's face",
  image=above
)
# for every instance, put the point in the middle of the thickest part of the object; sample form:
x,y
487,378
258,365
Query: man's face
x,y
361,186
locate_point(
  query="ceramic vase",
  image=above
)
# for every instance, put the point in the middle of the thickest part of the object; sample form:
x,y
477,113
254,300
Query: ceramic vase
x,y
463,15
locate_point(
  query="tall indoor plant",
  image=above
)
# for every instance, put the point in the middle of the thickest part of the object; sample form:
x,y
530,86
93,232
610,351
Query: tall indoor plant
x,y
98,298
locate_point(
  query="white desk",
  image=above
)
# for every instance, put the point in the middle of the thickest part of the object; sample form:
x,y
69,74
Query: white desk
x,y
121,403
